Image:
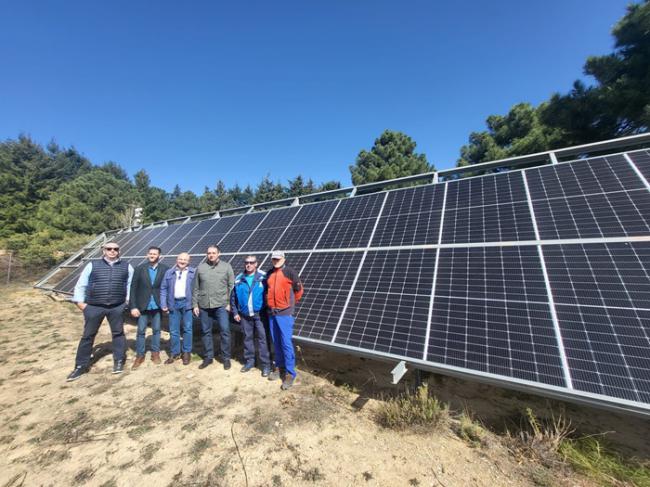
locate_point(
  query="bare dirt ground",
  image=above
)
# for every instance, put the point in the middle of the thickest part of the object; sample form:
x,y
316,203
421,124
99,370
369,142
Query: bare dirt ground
x,y
175,425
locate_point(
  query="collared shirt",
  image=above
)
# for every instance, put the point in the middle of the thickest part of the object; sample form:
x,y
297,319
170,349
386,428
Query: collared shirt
x,y
153,271
82,283
180,284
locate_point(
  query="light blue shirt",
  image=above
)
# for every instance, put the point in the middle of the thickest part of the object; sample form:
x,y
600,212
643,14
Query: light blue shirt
x,y
82,283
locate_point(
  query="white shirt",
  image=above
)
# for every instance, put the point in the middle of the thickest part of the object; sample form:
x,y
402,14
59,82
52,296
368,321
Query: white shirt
x,y
180,284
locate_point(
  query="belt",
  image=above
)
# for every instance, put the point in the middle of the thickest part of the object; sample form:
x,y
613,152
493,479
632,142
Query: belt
x,y
275,311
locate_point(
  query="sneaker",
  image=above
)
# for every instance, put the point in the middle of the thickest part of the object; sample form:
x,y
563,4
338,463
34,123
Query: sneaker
x,y
118,367
265,372
287,382
277,374
226,364
205,363
76,373
246,368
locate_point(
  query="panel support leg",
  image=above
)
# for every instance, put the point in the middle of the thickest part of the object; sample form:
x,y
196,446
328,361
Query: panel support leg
x,y
399,371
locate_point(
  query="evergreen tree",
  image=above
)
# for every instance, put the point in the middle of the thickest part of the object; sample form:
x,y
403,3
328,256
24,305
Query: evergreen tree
x,y
267,191
392,156
91,203
619,102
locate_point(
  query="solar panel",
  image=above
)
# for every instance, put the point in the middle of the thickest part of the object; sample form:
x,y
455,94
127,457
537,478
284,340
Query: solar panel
x,y
307,226
191,235
213,236
242,230
389,304
603,197
270,230
150,239
491,313
536,278
352,222
325,276
411,216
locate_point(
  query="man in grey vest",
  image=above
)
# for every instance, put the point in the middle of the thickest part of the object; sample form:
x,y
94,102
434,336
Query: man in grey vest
x,y
102,291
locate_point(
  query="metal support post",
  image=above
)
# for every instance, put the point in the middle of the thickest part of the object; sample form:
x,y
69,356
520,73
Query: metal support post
x,y
9,267
399,371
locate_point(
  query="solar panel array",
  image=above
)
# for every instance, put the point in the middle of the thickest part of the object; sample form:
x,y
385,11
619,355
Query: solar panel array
x,y
537,277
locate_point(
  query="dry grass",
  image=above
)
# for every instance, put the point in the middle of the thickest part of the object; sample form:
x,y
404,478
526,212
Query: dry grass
x,y
470,430
593,458
540,439
416,411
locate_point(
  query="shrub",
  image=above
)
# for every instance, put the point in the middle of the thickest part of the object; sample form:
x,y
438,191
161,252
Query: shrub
x,y
418,411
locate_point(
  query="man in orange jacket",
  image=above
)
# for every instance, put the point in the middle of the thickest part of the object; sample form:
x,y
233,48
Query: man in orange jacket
x,y
284,290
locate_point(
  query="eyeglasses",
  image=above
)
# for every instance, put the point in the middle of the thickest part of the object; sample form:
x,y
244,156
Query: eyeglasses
x,y
112,249
248,262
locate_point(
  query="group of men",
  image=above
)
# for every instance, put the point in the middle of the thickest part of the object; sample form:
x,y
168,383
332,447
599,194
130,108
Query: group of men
x,y
211,292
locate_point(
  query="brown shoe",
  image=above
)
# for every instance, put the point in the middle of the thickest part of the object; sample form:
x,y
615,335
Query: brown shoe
x,y
155,358
171,359
137,362
186,358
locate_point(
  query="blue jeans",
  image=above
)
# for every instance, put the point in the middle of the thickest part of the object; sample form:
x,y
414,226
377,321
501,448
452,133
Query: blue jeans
x,y
282,331
178,313
146,316
207,317
251,326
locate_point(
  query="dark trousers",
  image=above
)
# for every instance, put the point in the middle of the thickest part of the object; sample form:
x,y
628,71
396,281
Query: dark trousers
x,y
208,316
93,317
251,326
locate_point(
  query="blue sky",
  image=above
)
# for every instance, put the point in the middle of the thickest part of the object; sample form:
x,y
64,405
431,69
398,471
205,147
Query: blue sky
x,y
197,91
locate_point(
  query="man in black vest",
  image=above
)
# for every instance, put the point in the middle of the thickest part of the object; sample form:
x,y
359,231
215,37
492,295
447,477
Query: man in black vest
x,y
145,304
102,291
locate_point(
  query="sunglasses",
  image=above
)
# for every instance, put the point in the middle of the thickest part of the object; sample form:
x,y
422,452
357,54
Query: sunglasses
x,y
115,249
250,262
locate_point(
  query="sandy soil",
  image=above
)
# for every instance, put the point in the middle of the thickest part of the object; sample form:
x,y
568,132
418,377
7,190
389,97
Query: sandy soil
x,y
175,425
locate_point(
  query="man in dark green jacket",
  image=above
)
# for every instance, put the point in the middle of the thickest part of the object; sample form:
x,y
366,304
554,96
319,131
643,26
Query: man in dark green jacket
x,y
213,281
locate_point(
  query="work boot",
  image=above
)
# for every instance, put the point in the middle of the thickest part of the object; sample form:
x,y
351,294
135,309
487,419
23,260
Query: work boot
x,y
155,358
186,358
137,362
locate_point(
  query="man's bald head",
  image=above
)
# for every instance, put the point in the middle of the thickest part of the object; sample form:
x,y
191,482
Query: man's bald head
x,y
183,260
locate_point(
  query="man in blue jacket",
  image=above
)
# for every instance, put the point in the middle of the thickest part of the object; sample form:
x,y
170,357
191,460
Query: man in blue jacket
x,y
176,299
246,302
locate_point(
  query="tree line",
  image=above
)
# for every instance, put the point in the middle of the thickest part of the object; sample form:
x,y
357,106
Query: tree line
x,y
52,199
